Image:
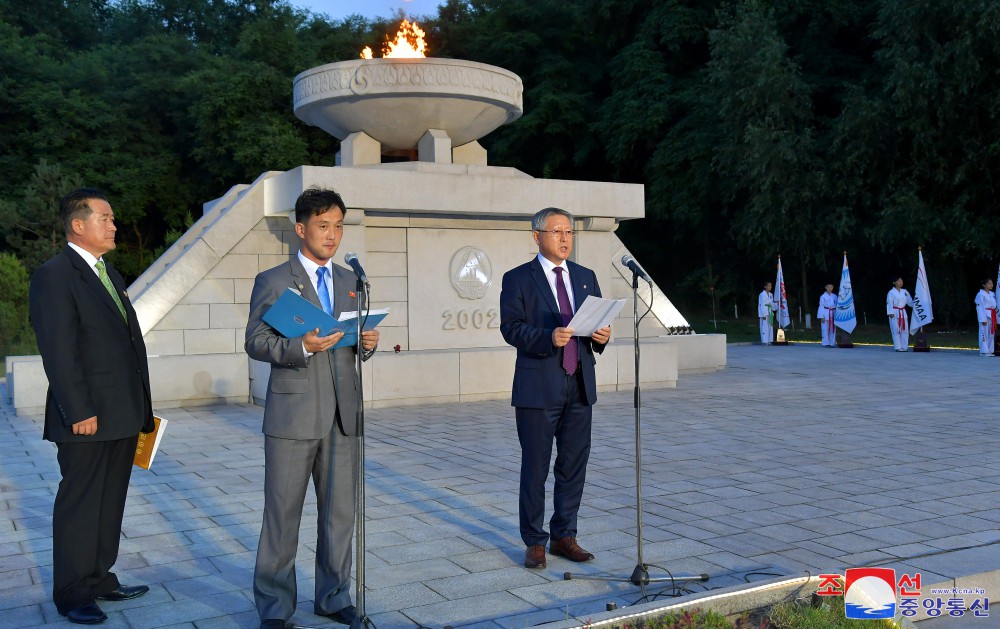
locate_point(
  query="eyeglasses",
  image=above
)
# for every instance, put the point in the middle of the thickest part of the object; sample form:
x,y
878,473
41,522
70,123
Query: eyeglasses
x,y
557,233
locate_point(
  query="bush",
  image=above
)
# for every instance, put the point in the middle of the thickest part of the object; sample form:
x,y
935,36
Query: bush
x,y
16,335
693,619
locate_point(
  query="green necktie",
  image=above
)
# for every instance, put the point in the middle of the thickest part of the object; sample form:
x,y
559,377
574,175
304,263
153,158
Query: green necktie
x,y
103,274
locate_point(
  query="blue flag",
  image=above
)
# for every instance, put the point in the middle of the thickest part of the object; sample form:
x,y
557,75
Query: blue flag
x,y
845,319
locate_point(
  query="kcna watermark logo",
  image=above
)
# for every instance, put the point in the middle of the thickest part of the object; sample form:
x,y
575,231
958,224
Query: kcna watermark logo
x,y
873,593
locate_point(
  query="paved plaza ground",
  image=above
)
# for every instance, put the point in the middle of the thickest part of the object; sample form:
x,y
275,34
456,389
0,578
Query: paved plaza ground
x,y
793,459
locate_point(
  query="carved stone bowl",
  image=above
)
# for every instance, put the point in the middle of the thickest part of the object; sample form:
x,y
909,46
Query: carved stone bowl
x,y
396,101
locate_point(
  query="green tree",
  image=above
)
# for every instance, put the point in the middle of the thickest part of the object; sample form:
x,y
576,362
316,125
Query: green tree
x,y
940,88
29,226
659,126
16,334
768,163
551,46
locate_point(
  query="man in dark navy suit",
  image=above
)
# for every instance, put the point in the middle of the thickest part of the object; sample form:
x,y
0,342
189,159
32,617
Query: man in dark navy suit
x,y
554,383
97,403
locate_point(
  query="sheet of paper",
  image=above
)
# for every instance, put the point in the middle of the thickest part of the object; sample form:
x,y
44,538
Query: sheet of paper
x,y
353,314
347,323
594,314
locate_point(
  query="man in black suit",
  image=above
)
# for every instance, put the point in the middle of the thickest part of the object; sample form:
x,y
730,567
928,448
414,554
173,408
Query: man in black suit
x,y
97,403
555,386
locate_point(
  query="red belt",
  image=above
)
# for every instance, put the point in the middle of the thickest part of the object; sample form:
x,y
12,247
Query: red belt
x,y
993,316
829,320
901,318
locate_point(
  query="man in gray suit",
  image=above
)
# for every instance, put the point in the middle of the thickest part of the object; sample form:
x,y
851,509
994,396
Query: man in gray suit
x,y
309,420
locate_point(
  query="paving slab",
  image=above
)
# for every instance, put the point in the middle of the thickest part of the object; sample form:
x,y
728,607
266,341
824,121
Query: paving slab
x,y
793,459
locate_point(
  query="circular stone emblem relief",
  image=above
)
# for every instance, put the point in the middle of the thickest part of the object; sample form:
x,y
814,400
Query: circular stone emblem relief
x,y
471,273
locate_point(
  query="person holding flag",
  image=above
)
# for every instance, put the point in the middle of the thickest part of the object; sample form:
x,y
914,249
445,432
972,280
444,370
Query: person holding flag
x,y
765,311
826,315
986,311
996,349
895,306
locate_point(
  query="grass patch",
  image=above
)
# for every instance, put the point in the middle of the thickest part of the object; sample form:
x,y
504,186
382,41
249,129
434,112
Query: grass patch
x,y
828,613
688,619
745,330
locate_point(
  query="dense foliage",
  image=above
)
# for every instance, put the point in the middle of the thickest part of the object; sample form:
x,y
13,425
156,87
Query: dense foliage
x,y
759,127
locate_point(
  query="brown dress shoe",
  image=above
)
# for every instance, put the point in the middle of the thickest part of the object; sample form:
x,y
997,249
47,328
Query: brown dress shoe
x,y
568,548
534,556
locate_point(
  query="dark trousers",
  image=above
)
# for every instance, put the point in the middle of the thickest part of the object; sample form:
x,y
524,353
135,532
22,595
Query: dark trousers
x,y
87,519
569,425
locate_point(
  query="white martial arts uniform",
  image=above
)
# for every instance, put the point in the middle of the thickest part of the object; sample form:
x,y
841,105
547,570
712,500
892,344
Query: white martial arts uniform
x,y
895,304
825,316
986,311
765,307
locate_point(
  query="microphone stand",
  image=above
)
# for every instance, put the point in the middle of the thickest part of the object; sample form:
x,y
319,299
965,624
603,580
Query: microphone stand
x,y
362,619
640,575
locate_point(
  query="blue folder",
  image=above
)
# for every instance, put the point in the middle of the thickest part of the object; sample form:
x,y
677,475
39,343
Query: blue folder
x,y
292,315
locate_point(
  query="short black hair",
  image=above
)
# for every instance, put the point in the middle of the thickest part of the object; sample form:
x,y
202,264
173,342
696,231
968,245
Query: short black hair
x,y
74,206
897,276
983,283
316,201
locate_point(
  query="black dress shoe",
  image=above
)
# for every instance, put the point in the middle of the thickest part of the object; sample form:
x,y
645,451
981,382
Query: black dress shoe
x,y
275,623
124,593
89,614
345,616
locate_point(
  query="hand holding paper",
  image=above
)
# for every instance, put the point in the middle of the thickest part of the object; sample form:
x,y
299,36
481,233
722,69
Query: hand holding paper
x,y
594,314
314,343
293,315
369,339
602,335
561,336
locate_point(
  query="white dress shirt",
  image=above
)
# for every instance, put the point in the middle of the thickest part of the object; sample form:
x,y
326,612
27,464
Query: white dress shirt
x,y
88,257
310,268
550,275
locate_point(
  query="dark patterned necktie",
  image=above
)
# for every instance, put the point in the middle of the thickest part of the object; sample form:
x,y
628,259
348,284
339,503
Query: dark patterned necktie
x,y
571,353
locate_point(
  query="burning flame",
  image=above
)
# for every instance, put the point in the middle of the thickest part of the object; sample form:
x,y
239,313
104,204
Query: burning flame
x,y
409,43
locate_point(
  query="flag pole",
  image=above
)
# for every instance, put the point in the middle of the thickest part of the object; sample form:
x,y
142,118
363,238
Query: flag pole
x,y
920,251
781,314
923,308
843,335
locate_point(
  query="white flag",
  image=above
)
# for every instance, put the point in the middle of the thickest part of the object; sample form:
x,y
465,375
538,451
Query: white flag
x,y
923,311
779,285
845,319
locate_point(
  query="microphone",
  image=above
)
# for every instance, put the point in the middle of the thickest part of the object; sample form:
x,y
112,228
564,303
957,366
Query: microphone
x,y
630,263
352,259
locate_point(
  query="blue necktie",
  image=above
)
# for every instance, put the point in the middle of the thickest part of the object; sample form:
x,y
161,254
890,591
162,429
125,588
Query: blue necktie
x,y
322,290
571,353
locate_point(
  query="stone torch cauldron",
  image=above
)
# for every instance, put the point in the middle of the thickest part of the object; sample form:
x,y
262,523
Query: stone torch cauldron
x,y
396,101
